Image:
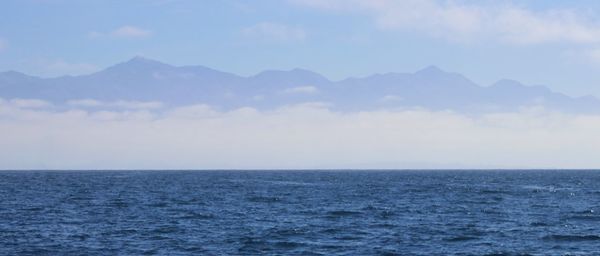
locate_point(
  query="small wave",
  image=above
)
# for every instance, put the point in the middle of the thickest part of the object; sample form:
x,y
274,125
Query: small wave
x,y
251,245
492,191
264,199
293,183
159,205
80,237
34,209
287,232
194,249
585,212
461,238
79,198
584,217
285,244
197,216
349,238
166,230
332,230
369,208
507,254
342,213
118,203
384,225
386,214
536,188
572,238
388,253
538,224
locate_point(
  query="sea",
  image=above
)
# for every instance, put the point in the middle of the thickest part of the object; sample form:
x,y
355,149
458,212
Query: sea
x,y
307,212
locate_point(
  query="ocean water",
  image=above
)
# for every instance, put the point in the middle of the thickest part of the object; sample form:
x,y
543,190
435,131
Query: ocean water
x,y
300,213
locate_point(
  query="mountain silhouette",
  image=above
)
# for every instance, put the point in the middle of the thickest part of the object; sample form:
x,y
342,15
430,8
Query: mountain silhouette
x,y
143,79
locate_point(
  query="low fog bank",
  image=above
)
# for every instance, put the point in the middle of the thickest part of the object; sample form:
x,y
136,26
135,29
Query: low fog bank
x,y
35,134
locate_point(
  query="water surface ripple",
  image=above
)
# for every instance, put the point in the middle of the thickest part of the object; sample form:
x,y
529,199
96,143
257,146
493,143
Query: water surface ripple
x,y
300,213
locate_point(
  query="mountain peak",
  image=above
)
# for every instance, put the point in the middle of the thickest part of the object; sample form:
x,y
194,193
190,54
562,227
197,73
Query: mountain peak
x,y
301,70
430,70
141,60
138,64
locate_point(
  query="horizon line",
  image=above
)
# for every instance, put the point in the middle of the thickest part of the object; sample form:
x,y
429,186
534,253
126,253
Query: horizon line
x,y
310,169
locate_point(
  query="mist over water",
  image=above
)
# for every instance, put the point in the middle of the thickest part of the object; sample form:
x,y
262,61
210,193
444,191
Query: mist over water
x,y
307,136
300,212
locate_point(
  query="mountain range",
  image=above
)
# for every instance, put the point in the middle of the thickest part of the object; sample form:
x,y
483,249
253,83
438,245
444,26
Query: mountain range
x,y
141,79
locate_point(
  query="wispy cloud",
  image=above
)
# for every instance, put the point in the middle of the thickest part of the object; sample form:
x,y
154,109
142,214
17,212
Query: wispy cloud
x,y
127,31
199,136
131,31
274,32
91,103
301,89
457,20
193,111
28,103
390,98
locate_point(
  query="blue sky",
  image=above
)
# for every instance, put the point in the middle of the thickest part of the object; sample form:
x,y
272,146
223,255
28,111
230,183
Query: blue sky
x,y
555,43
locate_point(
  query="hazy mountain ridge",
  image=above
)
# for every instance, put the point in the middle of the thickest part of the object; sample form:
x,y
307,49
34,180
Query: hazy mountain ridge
x,y
141,79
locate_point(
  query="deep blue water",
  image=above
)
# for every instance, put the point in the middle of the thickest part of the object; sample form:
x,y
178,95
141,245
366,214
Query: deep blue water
x,y
300,212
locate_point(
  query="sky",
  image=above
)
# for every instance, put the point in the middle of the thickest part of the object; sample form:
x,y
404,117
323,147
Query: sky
x,y
553,43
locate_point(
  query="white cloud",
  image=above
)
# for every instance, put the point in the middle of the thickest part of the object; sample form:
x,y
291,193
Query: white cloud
x,y
85,103
131,32
301,89
116,104
390,98
523,26
138,104
466,22
122,32
297,136
29,103
193,111
274,32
